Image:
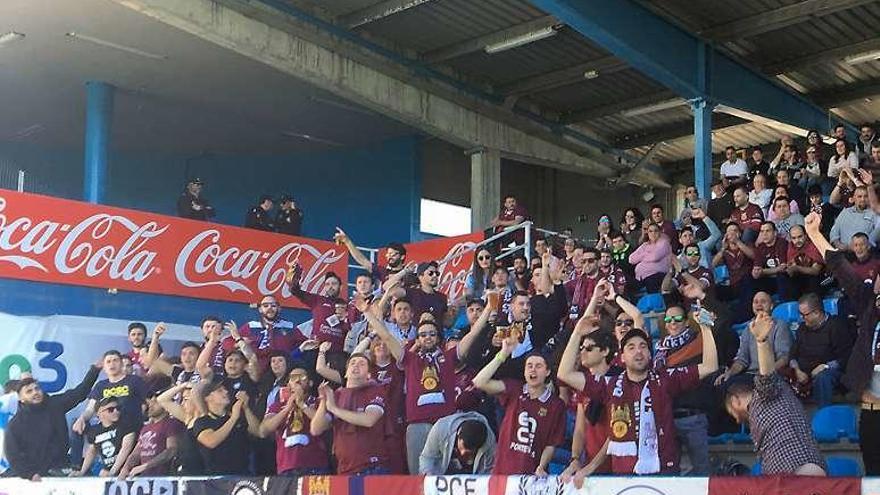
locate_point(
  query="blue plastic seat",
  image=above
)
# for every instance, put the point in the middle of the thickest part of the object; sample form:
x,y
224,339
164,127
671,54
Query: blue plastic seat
x,y
842,466
651,303
739,328
788,312
756,469
830,305
719,439
722,275
835,422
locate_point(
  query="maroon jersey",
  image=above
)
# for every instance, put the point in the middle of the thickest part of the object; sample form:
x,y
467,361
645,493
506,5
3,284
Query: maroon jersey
x,y
529,425
738,265
430,384
422,302
579,292
751,217
352,315
391,377
280,335
624,402
595,434
358,448
295,447
615,275
806,256
867,269
467,396
326,326
509,214
771,256
152,442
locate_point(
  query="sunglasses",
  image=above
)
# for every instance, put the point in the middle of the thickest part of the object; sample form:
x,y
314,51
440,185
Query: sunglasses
x,y
483,258
431,273
111,409
692,253
621,323
676,318
427,334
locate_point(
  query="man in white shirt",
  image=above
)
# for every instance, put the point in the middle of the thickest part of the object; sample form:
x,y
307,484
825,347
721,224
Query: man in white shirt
x,y
734,169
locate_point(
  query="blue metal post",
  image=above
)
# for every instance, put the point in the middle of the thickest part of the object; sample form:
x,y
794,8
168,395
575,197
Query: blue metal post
x,y
702,146
99,120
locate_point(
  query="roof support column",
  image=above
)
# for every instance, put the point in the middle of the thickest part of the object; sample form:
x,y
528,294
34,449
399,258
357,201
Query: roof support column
x,y
702,108
485,187
99,119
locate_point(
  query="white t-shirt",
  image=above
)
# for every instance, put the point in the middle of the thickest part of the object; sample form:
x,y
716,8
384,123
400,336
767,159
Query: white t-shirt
x,y
735,169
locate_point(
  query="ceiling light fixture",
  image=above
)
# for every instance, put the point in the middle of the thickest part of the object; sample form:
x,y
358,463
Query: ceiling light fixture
x,y
655,107
591,74
10,37
861,58
521,40
308,137
116,46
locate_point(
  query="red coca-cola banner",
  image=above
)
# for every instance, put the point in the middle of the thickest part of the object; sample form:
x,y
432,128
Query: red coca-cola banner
x,y
69,242
455,256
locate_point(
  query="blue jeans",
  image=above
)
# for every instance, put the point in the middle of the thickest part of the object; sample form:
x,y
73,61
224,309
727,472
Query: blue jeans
x,y
692,433
824,385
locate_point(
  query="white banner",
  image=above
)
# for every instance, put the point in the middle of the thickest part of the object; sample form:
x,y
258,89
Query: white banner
x,y
552,485
456,485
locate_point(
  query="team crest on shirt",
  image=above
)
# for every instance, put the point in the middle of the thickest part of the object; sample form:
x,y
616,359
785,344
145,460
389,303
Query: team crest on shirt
x,y
620,420
542,412
430,380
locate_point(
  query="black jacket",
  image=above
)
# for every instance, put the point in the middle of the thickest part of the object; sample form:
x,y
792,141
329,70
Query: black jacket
x,y
37,437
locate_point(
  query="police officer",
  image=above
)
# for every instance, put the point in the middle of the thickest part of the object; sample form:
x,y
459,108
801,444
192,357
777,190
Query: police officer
x,y
258,216
289,218
191,203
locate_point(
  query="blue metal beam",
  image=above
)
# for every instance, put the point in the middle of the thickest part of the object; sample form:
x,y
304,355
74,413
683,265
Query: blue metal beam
x,y
99,118
702,147
670,55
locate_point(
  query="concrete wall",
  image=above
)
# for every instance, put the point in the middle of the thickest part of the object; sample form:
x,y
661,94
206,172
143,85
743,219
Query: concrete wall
x,y
368,191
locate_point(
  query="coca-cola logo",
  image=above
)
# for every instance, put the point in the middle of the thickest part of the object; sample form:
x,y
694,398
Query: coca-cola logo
x,y
62,241
454,268
204,262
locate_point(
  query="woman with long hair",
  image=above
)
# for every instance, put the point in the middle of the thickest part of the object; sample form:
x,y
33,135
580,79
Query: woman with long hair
x,y
631,226
481,273
843,158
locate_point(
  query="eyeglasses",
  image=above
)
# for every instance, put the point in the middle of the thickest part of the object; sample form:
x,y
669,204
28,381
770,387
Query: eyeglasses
x,y
427,334
676,318
588,348
589,260
111,409
622,323
484,258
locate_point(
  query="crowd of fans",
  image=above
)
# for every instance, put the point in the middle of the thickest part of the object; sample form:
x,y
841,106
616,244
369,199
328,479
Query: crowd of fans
x,y
548,362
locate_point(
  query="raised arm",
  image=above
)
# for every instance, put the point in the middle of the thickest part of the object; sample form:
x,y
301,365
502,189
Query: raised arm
x,y
760,327
568,364
321,421
253,423
629,308
484,380
272,421
152,360
709,364
367,418
253,366
466,342
374,318
166,400
356,254
69,399
212,438
203,363
323,369
812,223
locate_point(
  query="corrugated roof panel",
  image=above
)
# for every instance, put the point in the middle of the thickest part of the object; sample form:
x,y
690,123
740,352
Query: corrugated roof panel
x,y
559,52
617,86
443,22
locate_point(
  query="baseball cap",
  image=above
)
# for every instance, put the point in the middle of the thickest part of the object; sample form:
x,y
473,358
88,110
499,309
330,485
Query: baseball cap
x,y
196,180
107,400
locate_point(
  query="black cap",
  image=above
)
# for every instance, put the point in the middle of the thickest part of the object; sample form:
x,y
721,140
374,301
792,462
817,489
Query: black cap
x,y
195,180
107,400
284,198
265,197
215,384
814,190
635,332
